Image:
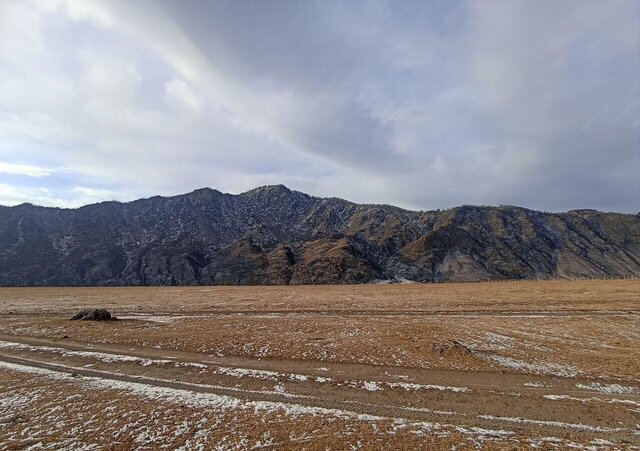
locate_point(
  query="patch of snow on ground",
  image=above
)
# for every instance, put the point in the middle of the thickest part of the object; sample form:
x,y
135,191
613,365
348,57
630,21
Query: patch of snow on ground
x,y
539,443
17,401
610,389
577,426
499,342
102,356
160,318
484,432
411,386
397,376
568,398
426,410
624,401
247,372
191,398
372,386
111,358
534,367
34,370
268,375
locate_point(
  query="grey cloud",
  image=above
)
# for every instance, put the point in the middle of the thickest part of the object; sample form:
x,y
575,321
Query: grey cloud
x,y
421,104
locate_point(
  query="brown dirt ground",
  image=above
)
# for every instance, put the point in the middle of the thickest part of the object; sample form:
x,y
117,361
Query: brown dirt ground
x,y
493,365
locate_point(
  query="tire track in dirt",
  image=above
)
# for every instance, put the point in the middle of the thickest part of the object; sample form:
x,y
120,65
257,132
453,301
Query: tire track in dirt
x,y
385,403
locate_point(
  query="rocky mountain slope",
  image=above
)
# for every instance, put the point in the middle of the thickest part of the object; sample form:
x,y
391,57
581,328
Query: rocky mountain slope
x,y
272,235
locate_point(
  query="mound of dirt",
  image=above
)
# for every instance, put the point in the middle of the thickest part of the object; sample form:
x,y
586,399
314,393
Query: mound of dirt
x,y
94,314
451,347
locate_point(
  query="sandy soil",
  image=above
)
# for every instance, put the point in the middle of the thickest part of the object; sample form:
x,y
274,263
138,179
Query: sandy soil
x,y
491,365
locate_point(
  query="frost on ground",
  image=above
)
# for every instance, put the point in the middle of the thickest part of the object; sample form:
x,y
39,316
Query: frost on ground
x,y
134,414
536,367
125,415
235,372
561,424
609,389
411,386
372,386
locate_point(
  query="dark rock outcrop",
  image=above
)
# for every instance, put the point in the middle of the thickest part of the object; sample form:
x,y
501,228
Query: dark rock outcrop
x,y
93,314
272,235
449,348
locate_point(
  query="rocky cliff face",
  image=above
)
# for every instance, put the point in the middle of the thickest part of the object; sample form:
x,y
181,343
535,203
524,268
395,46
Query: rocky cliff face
x,y
272,235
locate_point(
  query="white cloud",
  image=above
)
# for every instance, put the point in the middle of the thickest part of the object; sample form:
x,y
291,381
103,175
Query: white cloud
x,y
24,169
13,195
20,31
92,195
178,90
422,104
65,198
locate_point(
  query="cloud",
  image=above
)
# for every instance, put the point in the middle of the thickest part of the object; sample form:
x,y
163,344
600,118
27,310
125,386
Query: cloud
x,y
92,195
12,195
65,198
423,104
177,89
24,169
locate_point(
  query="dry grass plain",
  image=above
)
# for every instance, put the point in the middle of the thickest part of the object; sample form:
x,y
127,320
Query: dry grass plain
x,y
506,365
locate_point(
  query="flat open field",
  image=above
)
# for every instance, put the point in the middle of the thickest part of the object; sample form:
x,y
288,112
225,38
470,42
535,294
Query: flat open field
x,y
458,366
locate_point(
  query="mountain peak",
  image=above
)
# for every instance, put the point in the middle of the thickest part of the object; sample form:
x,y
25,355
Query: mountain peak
x,y
205,191
270,189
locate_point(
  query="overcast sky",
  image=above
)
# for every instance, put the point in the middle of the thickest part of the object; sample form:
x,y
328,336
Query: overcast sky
x,y
421,104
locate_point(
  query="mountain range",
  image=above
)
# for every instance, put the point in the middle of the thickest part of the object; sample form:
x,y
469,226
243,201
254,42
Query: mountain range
x,y
273,235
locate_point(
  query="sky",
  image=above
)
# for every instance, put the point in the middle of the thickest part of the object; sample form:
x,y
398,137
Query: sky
x,y
420,104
